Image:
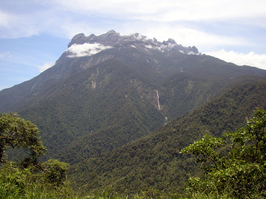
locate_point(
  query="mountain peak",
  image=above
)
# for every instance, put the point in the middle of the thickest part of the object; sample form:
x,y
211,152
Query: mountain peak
x,y
169,41
112,32
78,38
113,38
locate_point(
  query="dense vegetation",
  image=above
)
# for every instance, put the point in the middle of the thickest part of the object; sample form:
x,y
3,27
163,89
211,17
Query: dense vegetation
x,y
109,99
109,114
28,178
154,161
151,166
109,105
232,170
239,169
120,117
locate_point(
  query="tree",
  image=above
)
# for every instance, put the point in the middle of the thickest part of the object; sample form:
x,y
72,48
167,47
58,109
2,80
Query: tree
x,y
56,171
240,169
29,175
15,132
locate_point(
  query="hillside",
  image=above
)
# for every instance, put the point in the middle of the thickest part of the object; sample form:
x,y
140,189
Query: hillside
x,y
154,161
97,106
153,59
107,103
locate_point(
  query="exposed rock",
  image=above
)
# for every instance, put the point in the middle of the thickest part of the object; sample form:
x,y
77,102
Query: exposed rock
x,y
112,38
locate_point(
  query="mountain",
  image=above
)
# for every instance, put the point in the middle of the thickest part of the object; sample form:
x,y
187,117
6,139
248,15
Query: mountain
x,y
133,49
107,91
154,161
153,59
107,103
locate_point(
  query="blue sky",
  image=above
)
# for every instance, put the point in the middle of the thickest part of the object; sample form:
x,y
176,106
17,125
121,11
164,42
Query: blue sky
x,y
33,33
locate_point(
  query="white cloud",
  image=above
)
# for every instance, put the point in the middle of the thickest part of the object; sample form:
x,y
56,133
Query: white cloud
x,y
161,19
171,10
14,25
207,10
251,59
45,66
4,18
5,55
53,16
185,21
86,49
186,36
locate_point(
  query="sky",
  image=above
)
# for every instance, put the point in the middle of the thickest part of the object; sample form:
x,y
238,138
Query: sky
x,y
34,33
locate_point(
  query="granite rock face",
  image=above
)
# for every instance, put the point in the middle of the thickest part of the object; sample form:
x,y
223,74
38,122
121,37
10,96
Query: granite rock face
x,y
112,38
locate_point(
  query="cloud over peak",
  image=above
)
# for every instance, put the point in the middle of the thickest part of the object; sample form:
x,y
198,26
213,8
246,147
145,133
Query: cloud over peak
x,y
86,49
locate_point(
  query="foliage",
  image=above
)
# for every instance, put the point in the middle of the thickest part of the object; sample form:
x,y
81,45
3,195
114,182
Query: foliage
x,y
16,132
56,172
75,117
92,118
154,161
29,178
26,183
240,171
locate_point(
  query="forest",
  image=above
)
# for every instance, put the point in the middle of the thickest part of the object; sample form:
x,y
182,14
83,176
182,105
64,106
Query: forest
x,y
216,163
135,122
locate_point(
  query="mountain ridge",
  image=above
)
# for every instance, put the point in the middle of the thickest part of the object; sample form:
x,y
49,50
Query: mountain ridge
x,y
112,38
152,58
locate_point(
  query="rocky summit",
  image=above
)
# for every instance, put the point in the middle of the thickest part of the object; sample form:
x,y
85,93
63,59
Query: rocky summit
x,y
113,39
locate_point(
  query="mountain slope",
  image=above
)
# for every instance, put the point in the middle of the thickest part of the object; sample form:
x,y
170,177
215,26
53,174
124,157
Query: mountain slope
x,y
182,92
155,60
154,161
109,103
108,90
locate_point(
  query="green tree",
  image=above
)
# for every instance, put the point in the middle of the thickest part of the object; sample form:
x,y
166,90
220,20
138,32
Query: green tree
x,y
55,172
234,164
15,132
29,176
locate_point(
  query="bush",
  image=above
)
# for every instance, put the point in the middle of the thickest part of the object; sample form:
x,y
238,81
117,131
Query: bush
x,y
239,170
